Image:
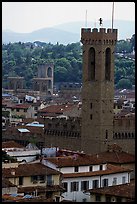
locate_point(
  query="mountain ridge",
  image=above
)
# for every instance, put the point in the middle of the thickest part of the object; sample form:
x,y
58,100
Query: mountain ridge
x,y
67,33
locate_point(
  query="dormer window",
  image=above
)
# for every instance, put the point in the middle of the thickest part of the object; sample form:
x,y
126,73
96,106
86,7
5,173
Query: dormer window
x,y
76,169
91,168
101,167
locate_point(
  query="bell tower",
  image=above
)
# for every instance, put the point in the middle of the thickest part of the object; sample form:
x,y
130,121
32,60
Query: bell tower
x,y
97,88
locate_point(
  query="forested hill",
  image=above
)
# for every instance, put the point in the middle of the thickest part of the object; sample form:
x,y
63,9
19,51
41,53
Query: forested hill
x,y
22,59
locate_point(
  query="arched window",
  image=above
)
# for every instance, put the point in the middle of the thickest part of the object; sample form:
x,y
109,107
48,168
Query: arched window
x,y
108,64
49,72
91,64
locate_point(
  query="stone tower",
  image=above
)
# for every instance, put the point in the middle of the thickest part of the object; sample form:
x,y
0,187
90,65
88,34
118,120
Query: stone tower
x,y
44,81
97,88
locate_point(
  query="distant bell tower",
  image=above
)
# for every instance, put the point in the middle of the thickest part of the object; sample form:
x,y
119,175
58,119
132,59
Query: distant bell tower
x,y
97,88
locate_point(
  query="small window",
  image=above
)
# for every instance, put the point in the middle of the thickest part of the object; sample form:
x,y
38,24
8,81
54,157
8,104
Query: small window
x,y
90,116
91,105
101,167
76,169
98,198
95,183
84,185
41,178
114,181
108,199
74,186
119,199
105,182
65,186
21,180
123,179
106,134
91,168
34,179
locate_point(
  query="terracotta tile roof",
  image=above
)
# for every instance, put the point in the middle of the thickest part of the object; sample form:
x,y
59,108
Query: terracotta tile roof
x,y
37,130
28,170
32,129
116,155
123,190
75,160
22,106
58,109
40,188
11,144
124,113
111,169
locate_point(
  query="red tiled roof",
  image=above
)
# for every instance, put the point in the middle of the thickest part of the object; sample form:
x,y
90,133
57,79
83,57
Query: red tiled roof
x,y
123,190
22,106
75,160
117,157
57,108
111,169
28,170
11,144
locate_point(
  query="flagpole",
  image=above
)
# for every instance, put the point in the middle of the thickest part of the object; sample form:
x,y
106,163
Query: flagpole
x,y
112,14
86,20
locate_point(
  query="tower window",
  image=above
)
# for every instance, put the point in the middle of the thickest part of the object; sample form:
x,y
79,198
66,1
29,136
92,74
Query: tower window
x,y
91,64
91,116
107,64
106,134
91,105
49,72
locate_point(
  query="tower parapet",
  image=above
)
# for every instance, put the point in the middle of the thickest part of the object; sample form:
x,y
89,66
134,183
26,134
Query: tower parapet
x,y
98,36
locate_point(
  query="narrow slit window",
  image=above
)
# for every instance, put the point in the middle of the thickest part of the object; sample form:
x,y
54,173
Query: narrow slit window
x,y
108,64
91,64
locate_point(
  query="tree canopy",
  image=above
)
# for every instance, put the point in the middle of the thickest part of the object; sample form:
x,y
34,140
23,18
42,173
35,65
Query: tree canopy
x,y
23,59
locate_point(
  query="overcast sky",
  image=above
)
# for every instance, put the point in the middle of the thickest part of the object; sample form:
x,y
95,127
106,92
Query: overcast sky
x,y
29,16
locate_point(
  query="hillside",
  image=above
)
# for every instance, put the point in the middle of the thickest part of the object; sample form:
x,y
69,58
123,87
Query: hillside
x,y
67,33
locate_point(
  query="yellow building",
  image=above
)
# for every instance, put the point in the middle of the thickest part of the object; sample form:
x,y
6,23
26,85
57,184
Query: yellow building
x,y
35,179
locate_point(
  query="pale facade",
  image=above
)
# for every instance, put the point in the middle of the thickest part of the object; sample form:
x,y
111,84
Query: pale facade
x,y
77,179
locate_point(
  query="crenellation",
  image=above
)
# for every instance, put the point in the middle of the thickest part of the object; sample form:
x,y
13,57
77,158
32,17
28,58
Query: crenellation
x,y
87,36
102,30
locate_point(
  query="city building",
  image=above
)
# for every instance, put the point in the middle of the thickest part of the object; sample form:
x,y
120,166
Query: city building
x,y
35,179
116,193
82,172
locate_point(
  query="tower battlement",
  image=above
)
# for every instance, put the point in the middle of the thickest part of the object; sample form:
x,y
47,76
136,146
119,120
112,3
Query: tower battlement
x,y
98,36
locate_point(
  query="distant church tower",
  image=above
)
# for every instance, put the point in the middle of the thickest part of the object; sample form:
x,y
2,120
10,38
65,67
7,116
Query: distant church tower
x,y
97,88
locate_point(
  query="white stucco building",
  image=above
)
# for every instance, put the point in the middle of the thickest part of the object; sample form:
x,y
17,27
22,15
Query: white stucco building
x,y
82,172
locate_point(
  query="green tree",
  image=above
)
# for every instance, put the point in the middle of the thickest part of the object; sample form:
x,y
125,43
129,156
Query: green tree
x,y
124,84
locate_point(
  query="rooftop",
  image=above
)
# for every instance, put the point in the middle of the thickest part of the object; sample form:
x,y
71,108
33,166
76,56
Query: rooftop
x,y
123,190
75,160
11,144
28,170
111,169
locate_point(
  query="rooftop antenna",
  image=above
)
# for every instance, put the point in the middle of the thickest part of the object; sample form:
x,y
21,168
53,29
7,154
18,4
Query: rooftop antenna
x,y
95,23
86,20
112,14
